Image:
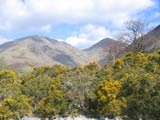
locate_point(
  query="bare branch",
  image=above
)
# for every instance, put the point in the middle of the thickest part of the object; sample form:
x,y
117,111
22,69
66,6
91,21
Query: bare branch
x,y
136,30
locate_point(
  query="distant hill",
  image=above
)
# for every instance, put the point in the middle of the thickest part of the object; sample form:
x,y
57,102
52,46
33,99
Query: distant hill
x,y
41,50
102,51
152,40
102,44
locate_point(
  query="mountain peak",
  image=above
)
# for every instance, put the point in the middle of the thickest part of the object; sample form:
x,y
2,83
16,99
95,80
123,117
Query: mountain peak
x,y
157,29
32,36
41,50
102,43
36,38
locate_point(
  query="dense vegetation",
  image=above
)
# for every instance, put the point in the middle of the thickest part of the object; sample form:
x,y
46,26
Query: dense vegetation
x,y
129,88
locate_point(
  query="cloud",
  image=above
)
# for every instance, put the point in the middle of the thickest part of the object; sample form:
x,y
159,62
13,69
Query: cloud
x,y
87,36
157,14
46,28
3,40
12,14
33,15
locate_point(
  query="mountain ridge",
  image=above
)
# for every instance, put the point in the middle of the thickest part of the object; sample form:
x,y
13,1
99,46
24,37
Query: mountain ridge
x,y
151,40
42,50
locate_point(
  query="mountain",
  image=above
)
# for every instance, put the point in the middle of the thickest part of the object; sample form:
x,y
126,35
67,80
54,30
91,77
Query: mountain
x,y
103,51
102,44
152,40
40,50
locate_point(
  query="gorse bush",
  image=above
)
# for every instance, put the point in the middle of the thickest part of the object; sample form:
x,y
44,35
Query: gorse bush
x,y
128,88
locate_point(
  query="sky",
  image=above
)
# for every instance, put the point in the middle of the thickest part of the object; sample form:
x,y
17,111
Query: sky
x,y
80,23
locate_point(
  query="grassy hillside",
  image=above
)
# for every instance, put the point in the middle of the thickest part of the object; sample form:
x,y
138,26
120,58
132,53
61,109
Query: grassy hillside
x,y
128,88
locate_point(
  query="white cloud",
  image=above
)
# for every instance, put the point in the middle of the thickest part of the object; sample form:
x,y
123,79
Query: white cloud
x,y
157,14
12,14
87,36
32,15
3,40
46,28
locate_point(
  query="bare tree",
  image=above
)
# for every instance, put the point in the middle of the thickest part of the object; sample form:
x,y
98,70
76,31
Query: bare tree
x,y
115,48
135,35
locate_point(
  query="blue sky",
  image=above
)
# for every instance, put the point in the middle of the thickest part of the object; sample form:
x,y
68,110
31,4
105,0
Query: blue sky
x,y
80,23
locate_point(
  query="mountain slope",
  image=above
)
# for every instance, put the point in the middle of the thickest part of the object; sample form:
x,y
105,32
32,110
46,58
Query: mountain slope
x,y
41,50
152,40
102,51
101,44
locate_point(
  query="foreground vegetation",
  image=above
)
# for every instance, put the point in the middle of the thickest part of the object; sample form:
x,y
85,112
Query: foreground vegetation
x,y
129,88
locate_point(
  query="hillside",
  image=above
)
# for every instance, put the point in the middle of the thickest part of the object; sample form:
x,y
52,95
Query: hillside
x,y
128,89
152,40
103,51
41,50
